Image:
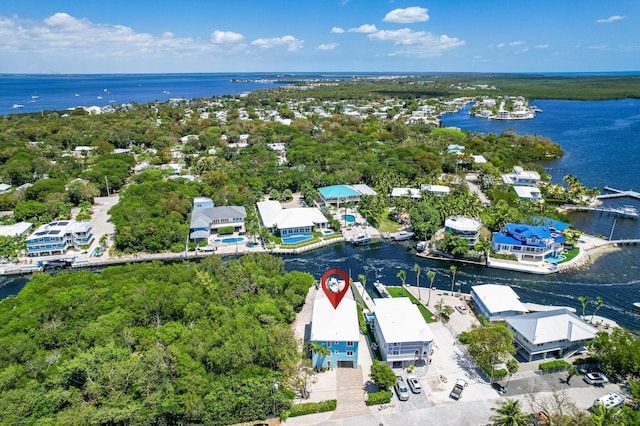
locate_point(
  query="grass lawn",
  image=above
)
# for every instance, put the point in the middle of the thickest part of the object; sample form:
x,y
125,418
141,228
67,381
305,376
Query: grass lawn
x,y
570,254
387,225
397,292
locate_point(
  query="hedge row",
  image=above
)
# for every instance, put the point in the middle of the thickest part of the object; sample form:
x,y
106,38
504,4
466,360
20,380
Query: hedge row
x,y
312,408
380,397
587,360
554,365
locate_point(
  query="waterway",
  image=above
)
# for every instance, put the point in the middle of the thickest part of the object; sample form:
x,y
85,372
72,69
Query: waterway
x,y
602,148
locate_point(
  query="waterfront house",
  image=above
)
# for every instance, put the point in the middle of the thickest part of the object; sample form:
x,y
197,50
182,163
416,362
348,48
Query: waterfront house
x,y
289,222
340,194
58,237
15,230
520,176
206,219
337,330
496,302
557,333
530,193
465,227
403,336
528,242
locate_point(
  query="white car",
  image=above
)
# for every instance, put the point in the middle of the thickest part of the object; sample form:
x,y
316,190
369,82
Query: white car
x,y
414,384
462,309
595,378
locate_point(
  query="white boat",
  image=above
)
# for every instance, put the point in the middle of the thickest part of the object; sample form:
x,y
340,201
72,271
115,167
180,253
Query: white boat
x,y
421,246
637,305
403,235
335,285
382,290
360,239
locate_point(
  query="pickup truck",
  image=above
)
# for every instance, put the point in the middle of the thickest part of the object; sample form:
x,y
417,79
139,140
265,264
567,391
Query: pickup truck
x,y
456,392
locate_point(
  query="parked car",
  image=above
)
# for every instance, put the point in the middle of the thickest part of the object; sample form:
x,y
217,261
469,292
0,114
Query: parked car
x,y
596,378
414,384
402,391
458,388
462,309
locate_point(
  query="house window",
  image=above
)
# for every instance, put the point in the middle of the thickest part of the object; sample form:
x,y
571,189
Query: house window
x,y
328,344
349,343
396,352
349,353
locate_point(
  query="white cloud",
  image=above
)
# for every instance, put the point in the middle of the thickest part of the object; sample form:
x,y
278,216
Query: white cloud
x,y
598,46
418,43
292,43
542,46
328,46
408,15
500,45
222,37
610,19
366,28
337,30
516,43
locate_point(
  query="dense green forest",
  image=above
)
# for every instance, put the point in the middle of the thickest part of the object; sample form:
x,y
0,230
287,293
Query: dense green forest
x,y
148,344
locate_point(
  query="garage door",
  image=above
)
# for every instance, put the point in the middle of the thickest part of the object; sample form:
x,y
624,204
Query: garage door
x,y
345,364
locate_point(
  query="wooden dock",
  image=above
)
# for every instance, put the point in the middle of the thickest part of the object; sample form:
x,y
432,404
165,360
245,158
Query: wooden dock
x,y
617,193
624,212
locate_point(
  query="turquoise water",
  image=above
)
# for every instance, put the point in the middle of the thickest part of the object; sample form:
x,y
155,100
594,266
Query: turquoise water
x,y
229,240
554,259
349,218
296,239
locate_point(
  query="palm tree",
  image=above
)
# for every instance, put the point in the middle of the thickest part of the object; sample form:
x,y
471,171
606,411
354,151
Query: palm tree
x,y
512,368
363,281
416,268
403,277
601,415
432,276
598,306
322,352
509,414
453,278
583,301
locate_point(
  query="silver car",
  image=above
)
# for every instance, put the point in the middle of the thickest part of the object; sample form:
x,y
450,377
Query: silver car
x,y
414,384
402,391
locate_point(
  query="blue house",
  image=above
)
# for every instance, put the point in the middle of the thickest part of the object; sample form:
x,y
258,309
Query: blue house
x,y
528,242
336,330
340,194
58,237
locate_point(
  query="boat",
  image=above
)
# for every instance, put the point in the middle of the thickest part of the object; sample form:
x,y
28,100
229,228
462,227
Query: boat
x,y
636,305
382,290
335,285
421,246
360,239
402,236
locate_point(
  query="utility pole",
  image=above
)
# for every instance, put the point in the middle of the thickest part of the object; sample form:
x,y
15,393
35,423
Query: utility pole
x,y
106,180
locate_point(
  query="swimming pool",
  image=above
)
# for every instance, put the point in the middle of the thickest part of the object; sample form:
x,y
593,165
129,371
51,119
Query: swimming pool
x,y
327,232
554,259
349,218
229,240
296,239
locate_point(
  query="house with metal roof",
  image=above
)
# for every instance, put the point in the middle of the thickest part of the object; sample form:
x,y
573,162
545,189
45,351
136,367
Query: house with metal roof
x,y
435,189
557,333
403,336
340,194
496,302
58,237
528,242
520,176
337,330
530,193
206,219
289,222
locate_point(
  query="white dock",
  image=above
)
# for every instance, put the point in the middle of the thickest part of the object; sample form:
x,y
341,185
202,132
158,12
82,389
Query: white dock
x,y
617,193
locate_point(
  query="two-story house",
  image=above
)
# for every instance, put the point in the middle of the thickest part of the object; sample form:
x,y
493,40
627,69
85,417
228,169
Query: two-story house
x,y
528,242
207,219
292,221
403,336
465,227
520,176
337,330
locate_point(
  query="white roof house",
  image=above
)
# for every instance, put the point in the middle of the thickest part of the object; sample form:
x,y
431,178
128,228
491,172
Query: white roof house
x,y
15,230
405,192
402,333
557,333
496,302
436,189
334,325
528,193
274,216
519,176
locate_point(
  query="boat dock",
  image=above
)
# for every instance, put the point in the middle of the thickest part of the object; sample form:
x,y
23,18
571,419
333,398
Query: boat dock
x,y
627,212
617,193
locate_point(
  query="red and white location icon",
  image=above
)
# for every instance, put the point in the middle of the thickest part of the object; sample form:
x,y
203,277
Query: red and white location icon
x,y
333,292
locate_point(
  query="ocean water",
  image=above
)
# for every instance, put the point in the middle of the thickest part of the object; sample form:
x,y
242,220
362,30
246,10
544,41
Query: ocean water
x,y
600,139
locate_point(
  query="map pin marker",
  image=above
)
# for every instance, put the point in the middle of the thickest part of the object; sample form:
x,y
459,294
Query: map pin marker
x,y
335,296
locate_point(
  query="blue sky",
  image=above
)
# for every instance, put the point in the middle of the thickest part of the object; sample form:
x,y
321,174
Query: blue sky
x,y
144,36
